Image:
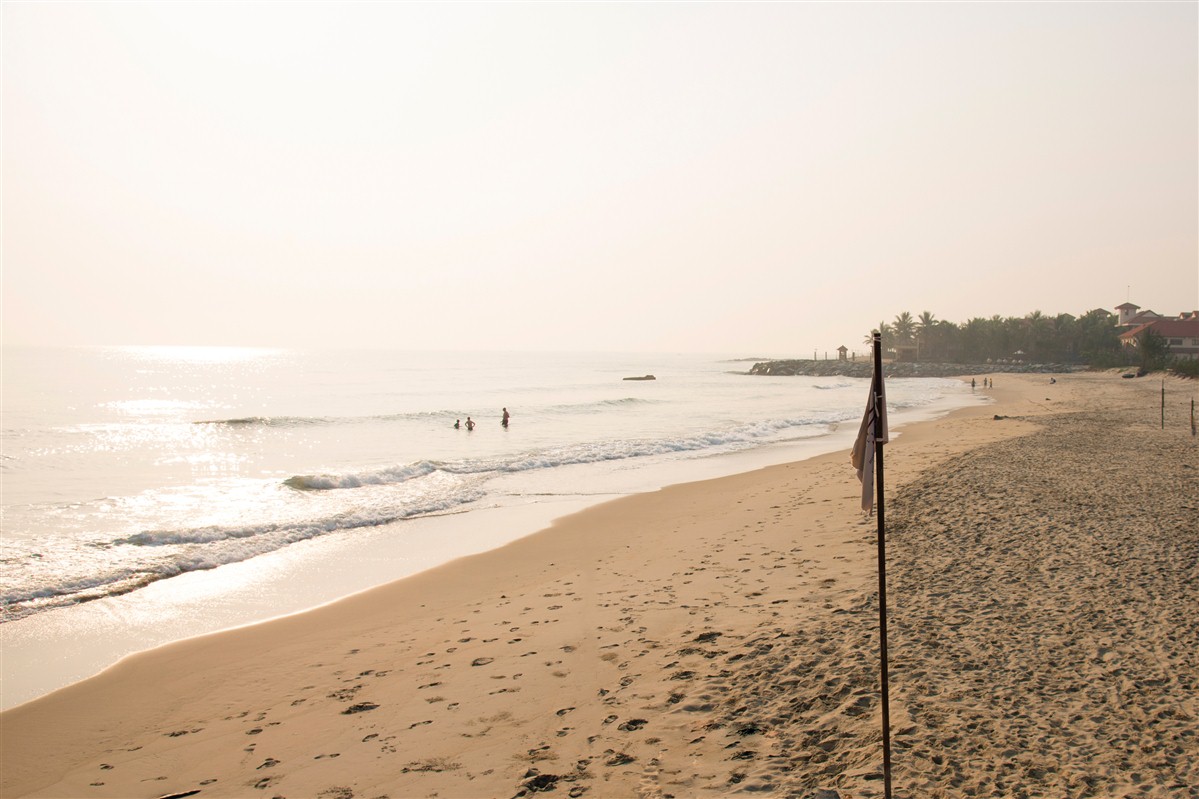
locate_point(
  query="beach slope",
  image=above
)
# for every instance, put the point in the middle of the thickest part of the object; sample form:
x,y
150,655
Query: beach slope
x,y
720,637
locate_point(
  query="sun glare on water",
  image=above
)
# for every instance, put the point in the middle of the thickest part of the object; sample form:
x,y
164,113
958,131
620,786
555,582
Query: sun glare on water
x,y
193,354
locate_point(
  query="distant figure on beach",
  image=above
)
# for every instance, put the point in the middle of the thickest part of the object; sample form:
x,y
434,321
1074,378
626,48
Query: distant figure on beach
x,y
972,383
457,424
1052,380
470,423
505,420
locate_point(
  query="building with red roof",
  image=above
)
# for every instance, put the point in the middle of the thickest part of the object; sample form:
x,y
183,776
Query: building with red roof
x,y
1181,333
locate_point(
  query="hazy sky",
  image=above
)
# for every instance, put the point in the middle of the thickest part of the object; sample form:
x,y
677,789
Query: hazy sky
x,y
755,179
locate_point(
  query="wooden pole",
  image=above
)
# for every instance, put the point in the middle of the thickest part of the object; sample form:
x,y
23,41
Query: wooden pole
x,y
882,566
1163,403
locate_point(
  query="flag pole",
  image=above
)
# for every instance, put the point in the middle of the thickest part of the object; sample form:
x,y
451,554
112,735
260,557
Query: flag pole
x,y
879,435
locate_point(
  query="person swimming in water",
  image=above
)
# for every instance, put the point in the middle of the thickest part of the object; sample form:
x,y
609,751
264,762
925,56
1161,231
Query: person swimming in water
x,y
457,424
470,423
505,420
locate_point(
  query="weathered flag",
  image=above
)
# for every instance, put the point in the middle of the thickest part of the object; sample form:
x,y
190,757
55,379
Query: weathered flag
x,y
862,455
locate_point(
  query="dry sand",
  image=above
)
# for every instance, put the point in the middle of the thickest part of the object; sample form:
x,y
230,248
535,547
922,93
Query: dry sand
x,y
720,637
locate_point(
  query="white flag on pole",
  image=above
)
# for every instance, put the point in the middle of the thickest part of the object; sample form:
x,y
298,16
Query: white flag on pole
x,y
862,455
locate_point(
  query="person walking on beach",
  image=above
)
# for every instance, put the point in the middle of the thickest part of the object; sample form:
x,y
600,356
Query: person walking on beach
x,y
470,423
505,420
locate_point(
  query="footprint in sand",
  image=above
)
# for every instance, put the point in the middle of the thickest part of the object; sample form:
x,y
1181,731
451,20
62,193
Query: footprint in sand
x,y
619,759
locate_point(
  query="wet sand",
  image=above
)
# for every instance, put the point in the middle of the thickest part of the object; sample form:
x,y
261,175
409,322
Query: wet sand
x,y
720,637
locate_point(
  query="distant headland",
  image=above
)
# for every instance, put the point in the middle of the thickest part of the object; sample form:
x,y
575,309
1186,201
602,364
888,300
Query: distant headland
x,y
924,346
863,368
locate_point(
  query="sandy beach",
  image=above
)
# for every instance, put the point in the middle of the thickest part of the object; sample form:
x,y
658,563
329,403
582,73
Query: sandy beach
x,y
720,637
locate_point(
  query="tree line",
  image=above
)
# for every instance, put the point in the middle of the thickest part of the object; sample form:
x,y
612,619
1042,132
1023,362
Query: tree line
x,y
1091,339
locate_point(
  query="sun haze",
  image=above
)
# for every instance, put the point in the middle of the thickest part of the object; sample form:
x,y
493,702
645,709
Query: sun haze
x,y
760,179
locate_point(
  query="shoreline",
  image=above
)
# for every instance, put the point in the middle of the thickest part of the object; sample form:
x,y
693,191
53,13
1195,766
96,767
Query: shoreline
x,y
54,649
612,652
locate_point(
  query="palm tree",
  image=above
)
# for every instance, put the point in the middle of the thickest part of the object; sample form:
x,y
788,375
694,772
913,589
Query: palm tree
x,y
1037,334
925,326
1098,337
903,327
1065,345
974,340
883,329
946,338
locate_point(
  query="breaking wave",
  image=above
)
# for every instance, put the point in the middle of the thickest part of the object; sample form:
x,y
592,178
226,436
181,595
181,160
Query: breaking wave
x,y
718,441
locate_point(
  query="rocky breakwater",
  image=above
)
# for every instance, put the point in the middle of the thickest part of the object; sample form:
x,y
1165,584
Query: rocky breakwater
x,y
864,368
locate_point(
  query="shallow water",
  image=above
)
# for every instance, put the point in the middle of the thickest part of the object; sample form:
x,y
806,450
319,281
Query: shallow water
x,y
156,493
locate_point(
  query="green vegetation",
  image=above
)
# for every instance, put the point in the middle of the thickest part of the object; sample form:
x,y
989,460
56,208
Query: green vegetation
x,y
1091,339
1185,368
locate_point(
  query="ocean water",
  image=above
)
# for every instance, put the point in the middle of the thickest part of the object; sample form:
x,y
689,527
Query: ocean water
x,y
123,466
128,467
